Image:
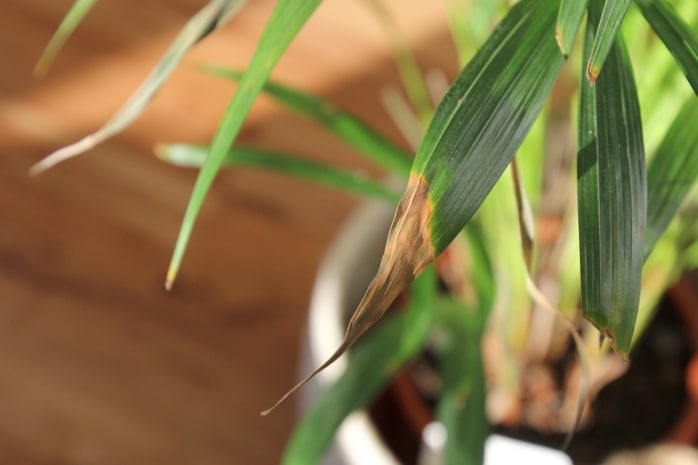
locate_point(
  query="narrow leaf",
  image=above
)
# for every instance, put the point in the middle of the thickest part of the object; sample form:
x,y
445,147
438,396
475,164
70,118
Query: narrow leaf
x,y
525,216
71,21
209,18
344,125
411,76
672,172
527,239
611,18
474,134
371,365
568,20
287,19
352,182
461,406
612,195
678,36
485,116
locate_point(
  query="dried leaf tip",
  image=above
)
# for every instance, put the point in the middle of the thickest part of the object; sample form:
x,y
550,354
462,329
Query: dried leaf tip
x,y
346,344
65,153
170,278
407,252
560,44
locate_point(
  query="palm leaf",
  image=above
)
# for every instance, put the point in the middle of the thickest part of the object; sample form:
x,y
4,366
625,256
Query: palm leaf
x,y
672,172
485,116
612,194
475,132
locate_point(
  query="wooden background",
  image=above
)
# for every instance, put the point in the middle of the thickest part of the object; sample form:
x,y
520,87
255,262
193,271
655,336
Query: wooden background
x,y
98,363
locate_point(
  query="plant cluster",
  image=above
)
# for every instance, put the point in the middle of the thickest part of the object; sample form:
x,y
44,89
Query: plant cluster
x,y
485,176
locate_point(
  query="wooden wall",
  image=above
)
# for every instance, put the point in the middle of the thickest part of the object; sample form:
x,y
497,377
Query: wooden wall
x,y
98,363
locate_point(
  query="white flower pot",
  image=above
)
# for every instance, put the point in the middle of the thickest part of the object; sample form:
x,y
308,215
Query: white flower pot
x,y
349,264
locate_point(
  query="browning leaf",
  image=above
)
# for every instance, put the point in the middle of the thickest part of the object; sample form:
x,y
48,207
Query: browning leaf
x,y
407,252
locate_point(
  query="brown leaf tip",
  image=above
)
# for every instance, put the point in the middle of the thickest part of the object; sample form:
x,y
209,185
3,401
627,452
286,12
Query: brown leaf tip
x,y
407,252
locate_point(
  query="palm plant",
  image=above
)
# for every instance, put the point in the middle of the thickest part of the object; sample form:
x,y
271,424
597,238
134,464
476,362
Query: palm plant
x,y
455,192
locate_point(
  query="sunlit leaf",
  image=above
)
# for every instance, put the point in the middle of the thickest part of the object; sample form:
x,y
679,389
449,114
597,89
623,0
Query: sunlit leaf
x,y
352,182
341,123
71,21
611,18
612,194
568,20
678,37
672,172
209,18
370,366
475,132
287,19
485,116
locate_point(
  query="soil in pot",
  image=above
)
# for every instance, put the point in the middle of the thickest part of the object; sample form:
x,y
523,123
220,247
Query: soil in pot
x,y
641,407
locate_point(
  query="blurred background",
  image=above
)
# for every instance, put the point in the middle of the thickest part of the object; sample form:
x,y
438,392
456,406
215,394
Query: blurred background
x,y
98,363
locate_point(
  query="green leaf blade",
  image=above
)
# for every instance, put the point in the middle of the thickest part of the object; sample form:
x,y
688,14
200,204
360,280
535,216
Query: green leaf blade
x,y
70,22
461,406
672,172
462,403
352,182
612,195
679,38
611,18
287,19
569,18
343,124
485,116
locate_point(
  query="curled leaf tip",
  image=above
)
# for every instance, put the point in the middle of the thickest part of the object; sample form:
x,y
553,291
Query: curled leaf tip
x,y
408,251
